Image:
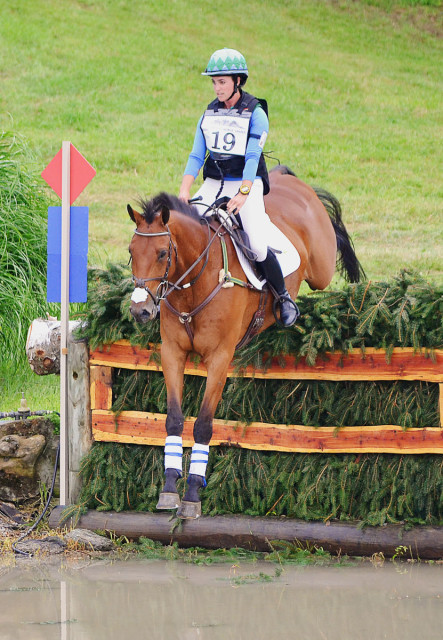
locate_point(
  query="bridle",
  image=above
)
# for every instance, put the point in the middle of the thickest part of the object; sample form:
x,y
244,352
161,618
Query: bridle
x,y
165,287
164,283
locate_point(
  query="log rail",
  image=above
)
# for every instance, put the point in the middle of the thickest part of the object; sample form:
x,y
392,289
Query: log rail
x,y
149,428
257,533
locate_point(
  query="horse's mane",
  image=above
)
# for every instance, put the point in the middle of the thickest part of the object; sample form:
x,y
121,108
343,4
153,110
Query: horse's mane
x,y
151,207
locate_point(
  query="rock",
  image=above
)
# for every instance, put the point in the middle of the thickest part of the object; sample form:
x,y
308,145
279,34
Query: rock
x,y
7,529
18,454
51,545
27,456
10,512
90,539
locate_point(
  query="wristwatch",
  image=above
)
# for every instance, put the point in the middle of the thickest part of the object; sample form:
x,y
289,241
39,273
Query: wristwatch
x,y
244,189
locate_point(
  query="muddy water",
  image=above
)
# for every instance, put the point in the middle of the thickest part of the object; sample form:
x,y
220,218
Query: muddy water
x,y
98,600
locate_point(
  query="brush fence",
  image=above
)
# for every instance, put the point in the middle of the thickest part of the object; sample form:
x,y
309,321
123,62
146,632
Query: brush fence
x,y
149,428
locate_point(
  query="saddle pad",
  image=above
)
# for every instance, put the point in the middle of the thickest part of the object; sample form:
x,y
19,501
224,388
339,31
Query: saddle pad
x,y
289,257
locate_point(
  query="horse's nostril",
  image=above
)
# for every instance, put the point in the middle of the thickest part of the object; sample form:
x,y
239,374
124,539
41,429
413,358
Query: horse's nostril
x,y
142,315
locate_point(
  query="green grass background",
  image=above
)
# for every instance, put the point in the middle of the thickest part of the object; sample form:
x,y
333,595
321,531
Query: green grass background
x,y
354,92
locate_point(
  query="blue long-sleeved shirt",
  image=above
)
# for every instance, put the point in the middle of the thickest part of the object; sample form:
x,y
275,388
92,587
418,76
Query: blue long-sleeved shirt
x,y
258,125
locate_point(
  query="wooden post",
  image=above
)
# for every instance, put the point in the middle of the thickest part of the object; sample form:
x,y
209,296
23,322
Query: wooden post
x,y
79,413
44,337
101,387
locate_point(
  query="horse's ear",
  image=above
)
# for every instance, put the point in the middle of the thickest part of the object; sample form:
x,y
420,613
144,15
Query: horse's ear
x,y
134,215
131,212
165,214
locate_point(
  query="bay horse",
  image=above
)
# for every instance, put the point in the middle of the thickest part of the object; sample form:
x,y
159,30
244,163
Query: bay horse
x,y
179,263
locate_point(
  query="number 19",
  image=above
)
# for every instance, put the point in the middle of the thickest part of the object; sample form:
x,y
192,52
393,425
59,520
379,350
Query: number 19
x,y
228,139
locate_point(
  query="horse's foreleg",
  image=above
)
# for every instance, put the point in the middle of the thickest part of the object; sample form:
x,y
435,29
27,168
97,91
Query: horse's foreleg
x,y
173,365
217,372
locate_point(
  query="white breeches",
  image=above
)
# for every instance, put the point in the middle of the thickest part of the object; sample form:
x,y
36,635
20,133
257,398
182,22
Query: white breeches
x,y
254,218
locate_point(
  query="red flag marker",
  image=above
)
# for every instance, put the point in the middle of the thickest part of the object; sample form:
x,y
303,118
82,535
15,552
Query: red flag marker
x,y
81,173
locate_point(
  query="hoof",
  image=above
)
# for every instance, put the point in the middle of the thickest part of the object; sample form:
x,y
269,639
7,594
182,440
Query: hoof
x,y
189,510
168,500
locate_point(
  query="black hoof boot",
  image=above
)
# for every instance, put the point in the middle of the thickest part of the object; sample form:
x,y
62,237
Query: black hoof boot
x,y
190,507
288,310
169,498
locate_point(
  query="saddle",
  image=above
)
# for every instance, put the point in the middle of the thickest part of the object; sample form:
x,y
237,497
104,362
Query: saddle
x,y
234,228
233,225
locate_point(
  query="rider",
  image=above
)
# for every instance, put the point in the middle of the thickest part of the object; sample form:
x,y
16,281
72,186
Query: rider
x,y
229,142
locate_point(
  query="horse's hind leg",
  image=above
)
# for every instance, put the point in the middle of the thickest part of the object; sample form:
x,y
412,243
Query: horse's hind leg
x,y
217,371
173,367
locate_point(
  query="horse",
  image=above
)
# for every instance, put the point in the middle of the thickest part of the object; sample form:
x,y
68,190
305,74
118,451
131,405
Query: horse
x,y
179,264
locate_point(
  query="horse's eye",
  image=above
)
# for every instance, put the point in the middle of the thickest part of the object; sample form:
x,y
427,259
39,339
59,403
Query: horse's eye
x,y
162,254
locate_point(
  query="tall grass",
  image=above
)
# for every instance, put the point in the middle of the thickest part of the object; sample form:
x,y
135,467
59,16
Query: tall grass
x,y
23,207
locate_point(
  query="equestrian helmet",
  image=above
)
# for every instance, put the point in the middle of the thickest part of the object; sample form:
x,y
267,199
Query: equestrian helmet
x,y
226,62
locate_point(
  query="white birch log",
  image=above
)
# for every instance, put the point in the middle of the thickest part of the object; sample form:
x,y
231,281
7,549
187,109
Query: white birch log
x,y
43,345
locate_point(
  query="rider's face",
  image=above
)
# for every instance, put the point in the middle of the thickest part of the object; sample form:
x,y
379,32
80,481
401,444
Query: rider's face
x,y
223,87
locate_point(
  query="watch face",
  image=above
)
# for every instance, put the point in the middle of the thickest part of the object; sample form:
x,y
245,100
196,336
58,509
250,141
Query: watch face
x,y
244,190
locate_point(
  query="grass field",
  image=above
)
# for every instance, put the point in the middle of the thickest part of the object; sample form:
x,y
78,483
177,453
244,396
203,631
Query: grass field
x,y
354,92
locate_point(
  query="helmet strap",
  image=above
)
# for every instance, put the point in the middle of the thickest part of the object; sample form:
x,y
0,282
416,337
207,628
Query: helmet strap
x,y
236,87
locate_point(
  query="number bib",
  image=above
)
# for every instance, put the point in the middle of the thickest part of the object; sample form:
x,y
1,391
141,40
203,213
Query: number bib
x,y
226,131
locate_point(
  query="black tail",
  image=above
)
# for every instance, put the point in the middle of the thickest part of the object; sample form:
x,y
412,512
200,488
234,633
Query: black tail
x,y
348,264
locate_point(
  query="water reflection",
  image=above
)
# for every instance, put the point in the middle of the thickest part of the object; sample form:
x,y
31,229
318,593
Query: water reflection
x,y
174,601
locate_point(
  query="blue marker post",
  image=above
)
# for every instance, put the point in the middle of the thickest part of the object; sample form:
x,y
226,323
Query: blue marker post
x,y
68,174
78,254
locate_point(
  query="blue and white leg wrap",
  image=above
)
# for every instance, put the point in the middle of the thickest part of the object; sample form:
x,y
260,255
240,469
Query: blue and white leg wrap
x,y
173,453
199,459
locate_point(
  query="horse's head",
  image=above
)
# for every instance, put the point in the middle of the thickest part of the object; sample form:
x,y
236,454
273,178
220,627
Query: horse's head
x,y
151,250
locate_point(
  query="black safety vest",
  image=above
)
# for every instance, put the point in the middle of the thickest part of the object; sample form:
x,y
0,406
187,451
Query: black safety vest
x,y
231,165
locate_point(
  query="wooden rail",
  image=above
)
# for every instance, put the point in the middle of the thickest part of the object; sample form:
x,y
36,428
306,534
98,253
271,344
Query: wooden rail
x,y
149,428
255,532
403,365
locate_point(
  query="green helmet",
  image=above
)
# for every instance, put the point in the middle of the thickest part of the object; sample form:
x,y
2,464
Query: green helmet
x,y
226,62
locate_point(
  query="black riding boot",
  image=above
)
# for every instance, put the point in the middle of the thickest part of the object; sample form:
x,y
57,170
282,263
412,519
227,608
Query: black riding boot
x,y
271,269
